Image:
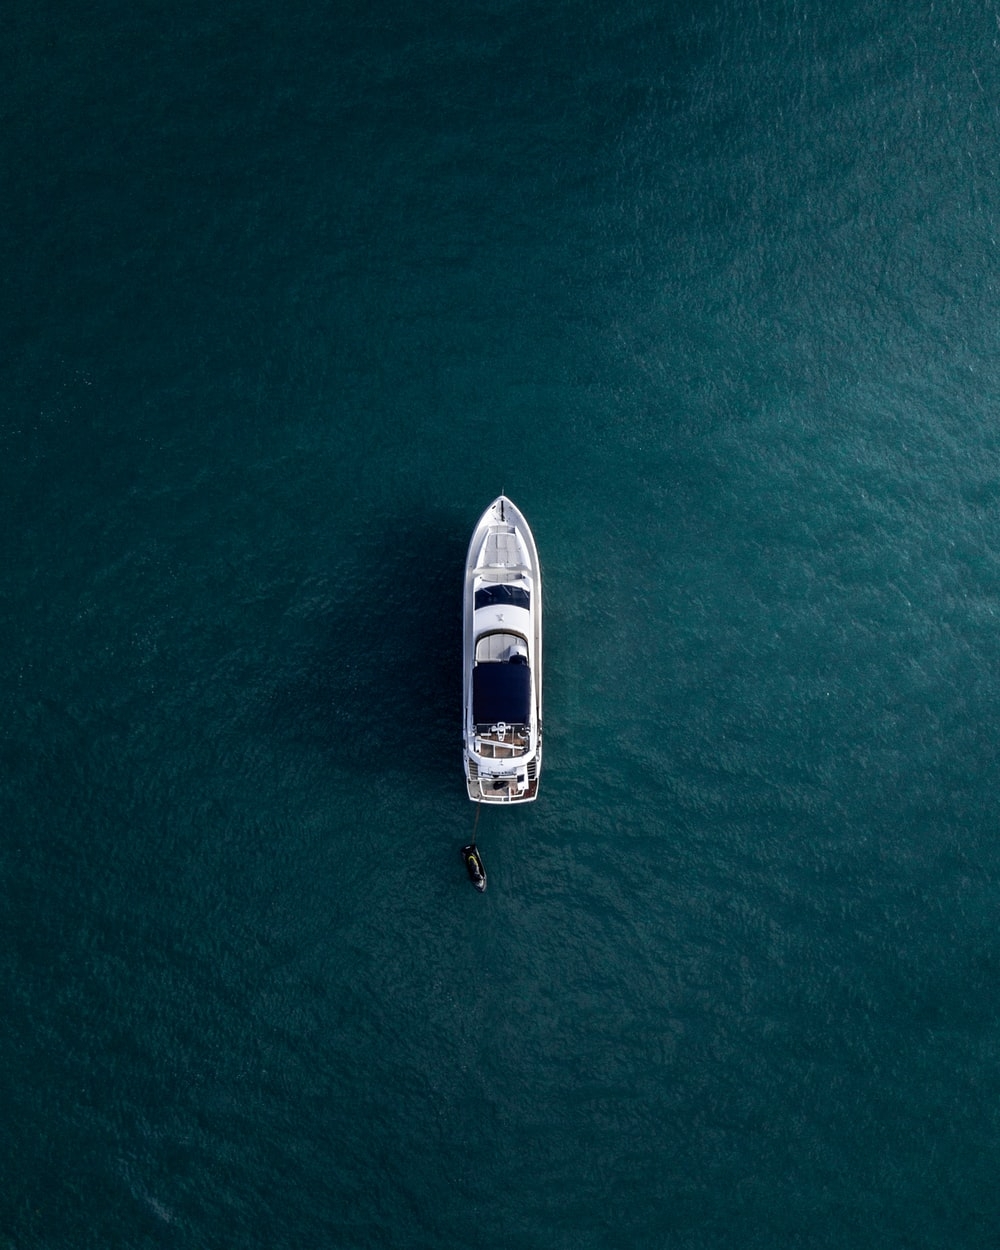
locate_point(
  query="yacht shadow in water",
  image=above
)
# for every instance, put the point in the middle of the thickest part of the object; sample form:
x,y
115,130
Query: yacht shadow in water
x,y
375,678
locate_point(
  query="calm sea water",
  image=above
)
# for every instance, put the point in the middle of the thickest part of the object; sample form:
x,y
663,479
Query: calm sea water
x,y
289,294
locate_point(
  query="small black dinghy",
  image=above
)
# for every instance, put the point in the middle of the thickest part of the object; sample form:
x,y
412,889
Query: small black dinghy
x,y
474,866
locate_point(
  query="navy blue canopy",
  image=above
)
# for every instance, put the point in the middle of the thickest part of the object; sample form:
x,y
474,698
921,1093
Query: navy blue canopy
x,y
501,692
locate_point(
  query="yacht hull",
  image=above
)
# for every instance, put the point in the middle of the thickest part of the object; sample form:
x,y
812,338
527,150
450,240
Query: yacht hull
x,y
502,659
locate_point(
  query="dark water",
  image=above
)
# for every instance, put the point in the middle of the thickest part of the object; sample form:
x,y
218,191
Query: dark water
x,y
289,294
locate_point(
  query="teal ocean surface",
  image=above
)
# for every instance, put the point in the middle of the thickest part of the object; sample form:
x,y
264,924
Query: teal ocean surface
x,y
289,294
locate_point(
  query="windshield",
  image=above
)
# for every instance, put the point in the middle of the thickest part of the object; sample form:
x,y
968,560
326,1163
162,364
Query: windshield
x,y
502,595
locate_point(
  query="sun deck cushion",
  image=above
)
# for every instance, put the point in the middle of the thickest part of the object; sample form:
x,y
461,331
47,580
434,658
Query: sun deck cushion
x,y
502,595
501,692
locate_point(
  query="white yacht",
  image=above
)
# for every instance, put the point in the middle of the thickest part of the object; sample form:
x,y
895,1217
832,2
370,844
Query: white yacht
x,y
502,632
